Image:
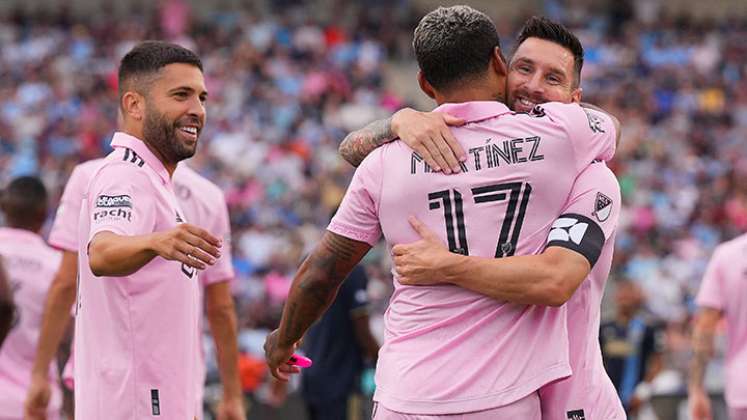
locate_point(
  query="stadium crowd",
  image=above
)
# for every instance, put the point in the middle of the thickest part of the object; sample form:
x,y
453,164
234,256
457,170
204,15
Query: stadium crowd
x,y
286,89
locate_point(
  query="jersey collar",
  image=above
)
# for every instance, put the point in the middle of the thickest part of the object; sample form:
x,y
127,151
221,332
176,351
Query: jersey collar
x,y
474,111
122,140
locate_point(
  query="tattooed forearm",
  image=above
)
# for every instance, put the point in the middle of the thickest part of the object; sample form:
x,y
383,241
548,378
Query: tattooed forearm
x,y
358,144
702,351
316,283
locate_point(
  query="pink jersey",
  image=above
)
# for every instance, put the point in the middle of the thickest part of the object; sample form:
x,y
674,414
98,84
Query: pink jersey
x,y
449,350
587,225
135,346
31,265
203,204
724,287
64,233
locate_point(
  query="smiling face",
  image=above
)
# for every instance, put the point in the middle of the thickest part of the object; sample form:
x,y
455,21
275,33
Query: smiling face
x,y
175,111
541,71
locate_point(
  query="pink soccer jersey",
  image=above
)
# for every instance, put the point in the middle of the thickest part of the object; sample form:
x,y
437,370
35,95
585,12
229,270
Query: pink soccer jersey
x,y
586,225
724,287
448,350
31,265
64,233
203,204
135,347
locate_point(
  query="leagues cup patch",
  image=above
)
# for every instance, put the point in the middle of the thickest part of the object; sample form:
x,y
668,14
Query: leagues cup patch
x,y
108,201
602,207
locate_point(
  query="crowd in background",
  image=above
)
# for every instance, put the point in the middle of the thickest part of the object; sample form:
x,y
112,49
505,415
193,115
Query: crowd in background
x,y
285,89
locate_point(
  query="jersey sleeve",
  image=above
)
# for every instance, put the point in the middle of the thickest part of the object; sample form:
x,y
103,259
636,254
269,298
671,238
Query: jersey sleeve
x,y
121,200
592,133
64,233
358,215
591,215
711,292
222,270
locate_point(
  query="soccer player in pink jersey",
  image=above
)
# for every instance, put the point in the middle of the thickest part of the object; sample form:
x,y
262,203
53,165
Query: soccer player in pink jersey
x,y
138,296
31,266
546,66
204,203
586,226
450,352
722,295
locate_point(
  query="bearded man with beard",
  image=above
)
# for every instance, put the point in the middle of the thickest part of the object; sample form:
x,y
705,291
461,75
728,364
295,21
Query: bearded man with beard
x,y
138,297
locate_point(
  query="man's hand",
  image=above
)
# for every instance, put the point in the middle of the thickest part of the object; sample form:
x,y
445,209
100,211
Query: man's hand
x,y
231,409
428,134
277,357
37,398
699,405
189,244
420,263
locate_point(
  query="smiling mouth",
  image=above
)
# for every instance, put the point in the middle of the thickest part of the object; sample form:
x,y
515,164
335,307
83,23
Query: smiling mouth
x,y
524,104
189,131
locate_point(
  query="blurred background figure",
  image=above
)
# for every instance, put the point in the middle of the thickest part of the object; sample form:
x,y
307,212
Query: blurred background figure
x,y
632,346
31,265
722,295
342,348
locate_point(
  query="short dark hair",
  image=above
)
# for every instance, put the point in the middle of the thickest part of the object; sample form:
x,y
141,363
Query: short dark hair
x,y
544,28
454,43
148,58
24,202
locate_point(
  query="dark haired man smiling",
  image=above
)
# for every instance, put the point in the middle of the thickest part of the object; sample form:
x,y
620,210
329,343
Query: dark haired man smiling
x,y
138,307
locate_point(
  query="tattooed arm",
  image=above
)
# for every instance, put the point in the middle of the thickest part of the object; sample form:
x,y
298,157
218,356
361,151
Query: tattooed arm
x,y
360,143
427,133
313,290
705,327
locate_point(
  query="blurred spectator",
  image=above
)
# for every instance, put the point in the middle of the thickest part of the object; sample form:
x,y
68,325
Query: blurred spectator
x,y
340,345
631,347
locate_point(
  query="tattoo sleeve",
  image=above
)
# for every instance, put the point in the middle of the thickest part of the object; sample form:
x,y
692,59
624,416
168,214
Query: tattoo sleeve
x,y
316,283
702,351
702,341
358,144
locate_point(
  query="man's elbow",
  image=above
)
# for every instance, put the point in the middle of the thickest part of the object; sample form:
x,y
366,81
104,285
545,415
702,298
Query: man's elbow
x,y
98,261
347,154
558,297
97,266
560,288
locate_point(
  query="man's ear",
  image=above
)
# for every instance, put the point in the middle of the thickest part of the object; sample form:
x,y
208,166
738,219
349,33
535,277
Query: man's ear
x,y
133,105
425,86
498,63
576,95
